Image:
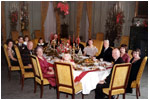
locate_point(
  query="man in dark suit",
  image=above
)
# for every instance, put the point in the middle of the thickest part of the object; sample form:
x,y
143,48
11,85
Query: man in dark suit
x,y
20,44
26,54
106,52
105,83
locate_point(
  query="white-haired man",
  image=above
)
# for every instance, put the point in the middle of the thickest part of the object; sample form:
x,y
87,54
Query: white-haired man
x,y
106,52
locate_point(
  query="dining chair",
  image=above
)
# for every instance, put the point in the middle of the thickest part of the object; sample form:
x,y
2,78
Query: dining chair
x,y
10,67
119,80
15,35
136,83
99,45
124,40
35,42
38,34
83,43
24,74
26,32
130,53
38,75
100,36
65,81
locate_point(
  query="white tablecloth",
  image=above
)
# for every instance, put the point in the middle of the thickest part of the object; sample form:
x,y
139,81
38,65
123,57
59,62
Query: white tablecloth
x,y
91,79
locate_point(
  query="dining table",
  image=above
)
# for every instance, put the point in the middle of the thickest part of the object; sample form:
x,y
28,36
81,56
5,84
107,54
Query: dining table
x,y
88,74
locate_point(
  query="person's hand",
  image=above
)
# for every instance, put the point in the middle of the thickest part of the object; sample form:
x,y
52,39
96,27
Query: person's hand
x,y
101,81
30,65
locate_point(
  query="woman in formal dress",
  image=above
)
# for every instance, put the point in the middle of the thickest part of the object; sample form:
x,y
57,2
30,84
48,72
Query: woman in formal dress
x,y
41,42
136,62
124,54
90,50
11,53
46,68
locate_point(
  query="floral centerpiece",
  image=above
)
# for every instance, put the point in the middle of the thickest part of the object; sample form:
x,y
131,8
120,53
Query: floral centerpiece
x,y
114,23
13,15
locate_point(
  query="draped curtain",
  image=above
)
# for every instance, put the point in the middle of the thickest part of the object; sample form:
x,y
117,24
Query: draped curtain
x,y
44,9
50,22
89,13
79,15
58,22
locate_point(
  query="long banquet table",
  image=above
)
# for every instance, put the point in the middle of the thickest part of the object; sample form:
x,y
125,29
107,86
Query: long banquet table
x,y
91,78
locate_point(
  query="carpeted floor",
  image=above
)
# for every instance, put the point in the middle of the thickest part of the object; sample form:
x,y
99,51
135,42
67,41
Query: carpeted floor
x,y
12,89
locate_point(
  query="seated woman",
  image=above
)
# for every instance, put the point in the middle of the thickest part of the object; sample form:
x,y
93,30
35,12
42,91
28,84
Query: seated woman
x,y
47,70
26,39
41,42
124,55
90,50
136,62
11,53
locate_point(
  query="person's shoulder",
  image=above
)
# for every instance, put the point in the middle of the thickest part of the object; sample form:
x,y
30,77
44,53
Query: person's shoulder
x,y
110,48
120,60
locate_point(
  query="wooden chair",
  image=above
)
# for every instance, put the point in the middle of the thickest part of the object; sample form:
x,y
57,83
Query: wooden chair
x,y
24,74
136,83
38,75
99,45
83,43
129,53
38,34
15,35
124,40
35,42
10,67
26,32
100,36
65,81
119,80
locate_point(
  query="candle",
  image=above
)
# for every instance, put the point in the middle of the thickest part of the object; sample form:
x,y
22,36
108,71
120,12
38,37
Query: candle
x,y
78,40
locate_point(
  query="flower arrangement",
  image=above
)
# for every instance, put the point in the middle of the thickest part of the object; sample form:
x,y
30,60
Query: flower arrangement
x,y
63,8
114,23
13,19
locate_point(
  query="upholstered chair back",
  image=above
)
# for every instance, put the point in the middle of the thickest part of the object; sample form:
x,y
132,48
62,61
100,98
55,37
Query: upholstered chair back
x,y
140,72
19,59
37,68
120,75
64,74
99,45
6,54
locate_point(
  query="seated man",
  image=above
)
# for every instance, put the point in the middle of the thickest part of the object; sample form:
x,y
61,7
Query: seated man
x,y
106,52
77,43
26,54
20,44
105,83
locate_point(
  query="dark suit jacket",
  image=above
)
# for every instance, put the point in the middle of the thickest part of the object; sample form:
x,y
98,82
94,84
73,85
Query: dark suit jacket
x,y
21,47
107,55
118,61
26,56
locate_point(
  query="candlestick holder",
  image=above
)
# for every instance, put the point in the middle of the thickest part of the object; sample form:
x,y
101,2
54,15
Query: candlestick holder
x,y
73,51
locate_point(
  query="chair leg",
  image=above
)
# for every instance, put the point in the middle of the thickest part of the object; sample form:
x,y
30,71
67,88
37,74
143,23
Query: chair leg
x,y
50,87
124,96
117,96
82,95
58,94
73,97
41,92
66,95
109,95
22,82
35,86
139,91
